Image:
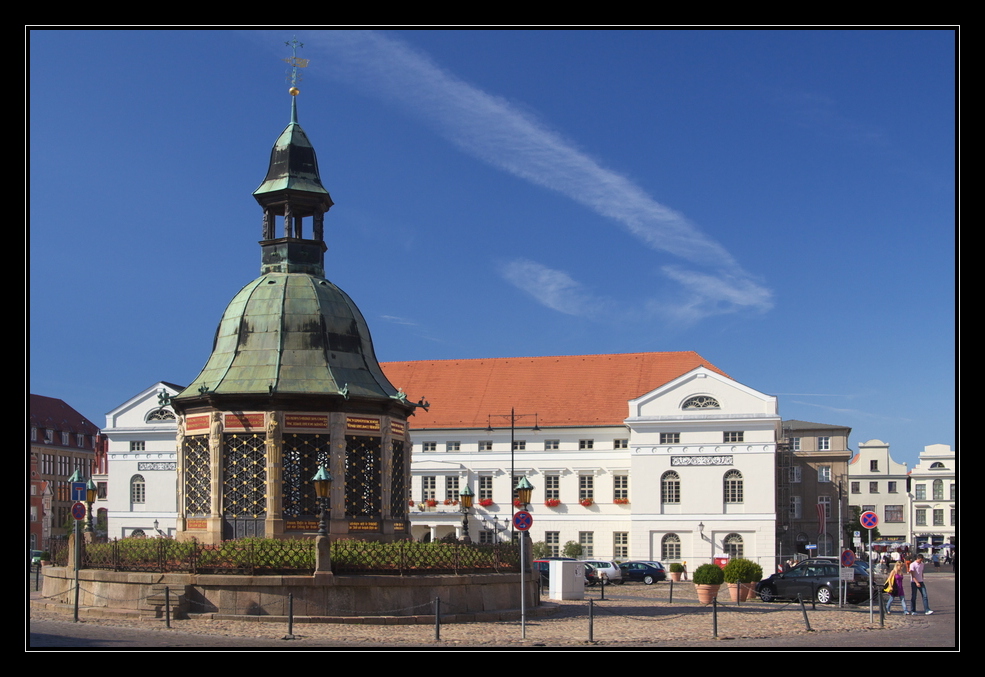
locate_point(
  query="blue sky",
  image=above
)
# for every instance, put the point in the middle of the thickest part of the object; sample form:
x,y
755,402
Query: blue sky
x,y
782,202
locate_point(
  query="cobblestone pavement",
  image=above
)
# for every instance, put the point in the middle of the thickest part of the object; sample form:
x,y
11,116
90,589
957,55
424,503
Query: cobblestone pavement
x,y
630,616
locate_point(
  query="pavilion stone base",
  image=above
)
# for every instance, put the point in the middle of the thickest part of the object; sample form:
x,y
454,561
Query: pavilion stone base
x,y
325,598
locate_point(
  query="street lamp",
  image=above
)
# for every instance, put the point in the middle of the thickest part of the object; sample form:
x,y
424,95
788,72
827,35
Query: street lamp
x,y
523,491
91,491
513,417
465,497
323,488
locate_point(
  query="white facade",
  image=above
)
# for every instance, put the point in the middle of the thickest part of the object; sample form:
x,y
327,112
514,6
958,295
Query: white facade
x,y
934,494
142,462
615,496
878,483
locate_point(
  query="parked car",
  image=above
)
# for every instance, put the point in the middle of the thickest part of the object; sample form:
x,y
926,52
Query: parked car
x,y
609,570
814,579
647,572
35,557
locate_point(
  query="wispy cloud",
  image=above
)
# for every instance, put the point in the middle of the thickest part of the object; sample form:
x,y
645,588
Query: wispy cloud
x,y
503,135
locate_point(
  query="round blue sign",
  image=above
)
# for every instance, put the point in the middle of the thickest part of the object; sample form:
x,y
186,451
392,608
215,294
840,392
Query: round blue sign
x,y
523,520
847,558
869,519
79,511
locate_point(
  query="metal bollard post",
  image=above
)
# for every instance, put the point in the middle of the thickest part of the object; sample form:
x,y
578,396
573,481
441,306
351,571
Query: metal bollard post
x,y
591,621
714,618
671,599
803,610
167,607
437,619
882,611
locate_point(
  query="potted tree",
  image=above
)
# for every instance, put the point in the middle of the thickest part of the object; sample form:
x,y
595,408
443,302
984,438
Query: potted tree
x,y
708,579
676,569
739,573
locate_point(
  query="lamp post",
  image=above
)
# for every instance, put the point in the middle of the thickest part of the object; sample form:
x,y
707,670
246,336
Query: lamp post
x,y
523,491
91,491
323,491
513,417
465,497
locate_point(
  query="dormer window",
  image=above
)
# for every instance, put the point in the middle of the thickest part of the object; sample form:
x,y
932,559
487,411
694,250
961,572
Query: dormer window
x,y
700,402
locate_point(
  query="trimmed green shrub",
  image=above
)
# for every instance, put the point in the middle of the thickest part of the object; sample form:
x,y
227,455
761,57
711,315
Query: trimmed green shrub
x,y
676,568
708,574
740,570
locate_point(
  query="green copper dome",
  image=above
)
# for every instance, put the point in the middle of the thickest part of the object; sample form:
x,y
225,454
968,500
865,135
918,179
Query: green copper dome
x,y
292,333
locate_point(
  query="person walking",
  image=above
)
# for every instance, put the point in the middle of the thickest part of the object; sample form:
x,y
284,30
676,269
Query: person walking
x,y
894,588
917,583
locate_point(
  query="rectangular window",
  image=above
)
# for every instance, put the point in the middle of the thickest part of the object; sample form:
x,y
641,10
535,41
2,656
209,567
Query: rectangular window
x,y
938,490
954,514
101,490
553,541
894,513
64,439
795,443
954,492
794,474
823,443
826,502
620,487
920,492
620,444
795,507
519,445
586,540
873,487
824,473
620,544
487,537
921,517
552,445
49,435
733,436
485,487
586,487
80,441
136,446
451,487
873,466
552,487
429,446
670,438
938,517
34,434
428,485
856,487
891,488
453,446
485,445
586,444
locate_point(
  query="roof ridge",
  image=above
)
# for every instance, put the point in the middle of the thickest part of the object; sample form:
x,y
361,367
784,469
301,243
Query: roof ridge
x,y
545,357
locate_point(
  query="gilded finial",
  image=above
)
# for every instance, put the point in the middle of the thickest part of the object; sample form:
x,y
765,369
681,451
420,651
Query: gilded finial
x,y
295,62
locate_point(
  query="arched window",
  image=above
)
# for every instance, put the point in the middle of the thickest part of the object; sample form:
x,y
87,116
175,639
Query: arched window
x,y
733,545
670,547
733,486
670,487
700,402
161,415
138,489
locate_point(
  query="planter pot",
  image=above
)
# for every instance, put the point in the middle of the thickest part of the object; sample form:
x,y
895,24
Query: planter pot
x,y
675,576
706,593
740,591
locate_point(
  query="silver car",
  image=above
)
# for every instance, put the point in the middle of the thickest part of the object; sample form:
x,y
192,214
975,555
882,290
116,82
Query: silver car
x,y
610,570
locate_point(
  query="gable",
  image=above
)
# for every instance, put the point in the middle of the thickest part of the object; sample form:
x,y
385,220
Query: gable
x,y
695,394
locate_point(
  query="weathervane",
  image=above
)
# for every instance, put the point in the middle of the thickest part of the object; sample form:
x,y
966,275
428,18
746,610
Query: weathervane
x,y
295,62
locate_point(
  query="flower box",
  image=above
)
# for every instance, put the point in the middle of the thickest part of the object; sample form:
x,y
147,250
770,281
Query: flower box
x,y
552,502
486,502
587,502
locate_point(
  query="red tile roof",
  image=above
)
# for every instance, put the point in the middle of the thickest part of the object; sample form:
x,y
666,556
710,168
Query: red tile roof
x,y
570,390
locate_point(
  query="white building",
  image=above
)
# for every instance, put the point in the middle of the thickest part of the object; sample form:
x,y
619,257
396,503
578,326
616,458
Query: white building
x,y
636,456
878,484
141,482
934,492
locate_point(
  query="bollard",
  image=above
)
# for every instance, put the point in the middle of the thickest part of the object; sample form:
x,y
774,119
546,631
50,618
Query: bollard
x,y
714,618
671,600
290,616
882,610
803,610
591,621
437,619
604,581
167,607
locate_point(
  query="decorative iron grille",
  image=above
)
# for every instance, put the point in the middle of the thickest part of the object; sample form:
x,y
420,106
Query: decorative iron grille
x,y
198,478
244,473
303,453
362,476
398,501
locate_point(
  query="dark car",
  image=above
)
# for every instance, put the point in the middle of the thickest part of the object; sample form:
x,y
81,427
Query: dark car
x,y
814,580
647,572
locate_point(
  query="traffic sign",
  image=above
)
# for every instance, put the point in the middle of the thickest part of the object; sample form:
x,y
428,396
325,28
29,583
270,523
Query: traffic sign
x,y
79,511
847,558
523,520
869,519
78,491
